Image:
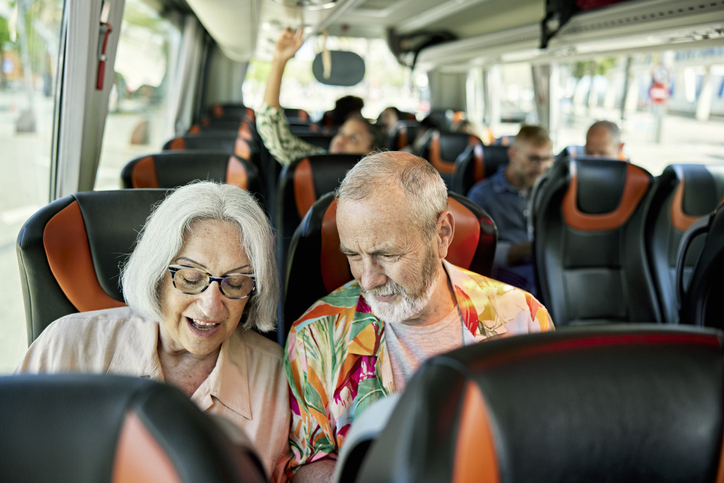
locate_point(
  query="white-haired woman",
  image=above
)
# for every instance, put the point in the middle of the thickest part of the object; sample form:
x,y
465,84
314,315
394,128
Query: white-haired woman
x,y
201,276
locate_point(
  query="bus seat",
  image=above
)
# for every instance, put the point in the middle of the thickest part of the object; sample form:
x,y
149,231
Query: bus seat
x,y
441,149
701,299
408,116
268,166
321,139
363,433
682,194
242,127
402,135
227,141
573,151
177,168
316,264
301,183
92,428
589,250
69,252
296,115
232,111
621,403
475,164
504,141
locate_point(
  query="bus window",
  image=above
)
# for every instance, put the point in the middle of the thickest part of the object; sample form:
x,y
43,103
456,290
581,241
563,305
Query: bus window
x,y
29,39
137,120
386,82
668,105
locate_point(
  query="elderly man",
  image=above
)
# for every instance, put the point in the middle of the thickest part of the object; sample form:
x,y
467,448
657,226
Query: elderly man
x,y
406,303
604,139
504,196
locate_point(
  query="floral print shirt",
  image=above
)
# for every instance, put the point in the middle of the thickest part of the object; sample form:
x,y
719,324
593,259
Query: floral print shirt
x,y
273,128
337,362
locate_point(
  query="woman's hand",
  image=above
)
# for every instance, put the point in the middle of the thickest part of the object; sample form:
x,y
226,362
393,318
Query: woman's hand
x,y
289,42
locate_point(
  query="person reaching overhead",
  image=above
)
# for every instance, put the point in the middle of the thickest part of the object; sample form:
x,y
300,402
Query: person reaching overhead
x,y
355,136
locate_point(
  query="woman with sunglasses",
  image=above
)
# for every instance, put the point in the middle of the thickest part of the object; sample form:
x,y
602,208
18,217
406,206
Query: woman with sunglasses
x,y
201,276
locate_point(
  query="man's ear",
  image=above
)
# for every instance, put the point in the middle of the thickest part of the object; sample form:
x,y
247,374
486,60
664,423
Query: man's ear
x,y
445,232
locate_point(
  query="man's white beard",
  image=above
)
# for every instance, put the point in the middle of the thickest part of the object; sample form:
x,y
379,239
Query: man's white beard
x,y
404,306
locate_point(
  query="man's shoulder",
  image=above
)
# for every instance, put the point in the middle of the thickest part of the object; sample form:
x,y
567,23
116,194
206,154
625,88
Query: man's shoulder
x,y
343,300
481,189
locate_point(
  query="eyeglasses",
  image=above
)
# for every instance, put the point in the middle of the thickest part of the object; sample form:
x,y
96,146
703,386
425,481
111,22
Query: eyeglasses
x,y
539,159
193,281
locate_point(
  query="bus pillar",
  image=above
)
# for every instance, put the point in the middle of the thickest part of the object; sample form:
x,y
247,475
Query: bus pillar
x,y
703,105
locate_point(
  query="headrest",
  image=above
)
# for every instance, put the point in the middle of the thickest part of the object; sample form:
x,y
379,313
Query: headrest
x,y
444,149
702,198
403,133
89,428
87,241
602,194
226,141
463,251
232,111
620,403
315,175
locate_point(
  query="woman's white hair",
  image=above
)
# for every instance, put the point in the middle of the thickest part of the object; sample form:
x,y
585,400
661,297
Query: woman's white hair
x,y
424,189
164,234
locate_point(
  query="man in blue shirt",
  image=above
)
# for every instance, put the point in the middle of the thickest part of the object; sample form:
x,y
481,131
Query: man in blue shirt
x,y
504,196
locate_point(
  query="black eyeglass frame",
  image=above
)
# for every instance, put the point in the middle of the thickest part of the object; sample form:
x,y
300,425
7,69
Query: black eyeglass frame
x,y
210,279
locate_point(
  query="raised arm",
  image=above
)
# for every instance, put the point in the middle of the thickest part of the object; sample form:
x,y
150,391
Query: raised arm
x,y
289,42
271,124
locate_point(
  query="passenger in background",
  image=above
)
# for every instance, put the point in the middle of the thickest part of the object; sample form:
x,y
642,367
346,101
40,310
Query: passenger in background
x,y
406,304
504,196
388,118
355,136
604,139
202,276
483,132
346,107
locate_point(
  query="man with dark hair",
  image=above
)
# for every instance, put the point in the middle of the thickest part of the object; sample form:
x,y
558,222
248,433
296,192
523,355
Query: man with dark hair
x,y
356,135
406,304
504,196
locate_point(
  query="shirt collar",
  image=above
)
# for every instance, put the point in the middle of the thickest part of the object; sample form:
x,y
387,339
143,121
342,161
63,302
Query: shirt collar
x,y
500,183
474,302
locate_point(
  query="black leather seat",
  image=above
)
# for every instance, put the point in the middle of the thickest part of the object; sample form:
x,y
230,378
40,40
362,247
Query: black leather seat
x,y
682,194
441,149
296,115
702,299
91,428
573,151
504,141
242,127
177,168
475,164
70,250
232,111
632,403
316,267
402,134
590,257
226,141
301,183
321,139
